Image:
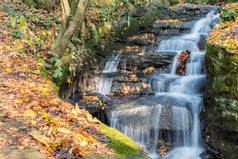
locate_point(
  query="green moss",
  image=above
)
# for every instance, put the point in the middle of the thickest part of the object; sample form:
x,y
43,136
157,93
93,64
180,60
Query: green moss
x,y
223,66
124,147
146,20
221,100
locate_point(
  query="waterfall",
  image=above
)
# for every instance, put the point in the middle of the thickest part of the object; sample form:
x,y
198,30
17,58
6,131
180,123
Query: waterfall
x,y
139,129
178,100
189,86
104,84
112,63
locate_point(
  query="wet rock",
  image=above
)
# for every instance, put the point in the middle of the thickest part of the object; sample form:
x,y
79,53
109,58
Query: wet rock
x,y
137,62
192,12
140,42
210,153
167,28
132,78
202,42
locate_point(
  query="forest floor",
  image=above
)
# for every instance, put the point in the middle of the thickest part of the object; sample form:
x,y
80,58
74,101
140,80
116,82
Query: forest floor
x,y
34,121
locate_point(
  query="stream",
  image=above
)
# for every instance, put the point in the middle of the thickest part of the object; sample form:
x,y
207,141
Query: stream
x,y
169,120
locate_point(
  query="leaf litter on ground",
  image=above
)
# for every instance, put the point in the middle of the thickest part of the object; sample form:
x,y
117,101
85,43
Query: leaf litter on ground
x,y
29,101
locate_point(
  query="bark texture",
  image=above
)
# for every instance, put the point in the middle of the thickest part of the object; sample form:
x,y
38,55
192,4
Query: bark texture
x,y
69,28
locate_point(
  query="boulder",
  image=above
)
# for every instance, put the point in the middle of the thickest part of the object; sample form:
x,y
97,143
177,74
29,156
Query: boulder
x,y
221,101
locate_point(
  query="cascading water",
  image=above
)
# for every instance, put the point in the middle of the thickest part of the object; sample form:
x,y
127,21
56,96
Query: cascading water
x,y
104,84
179,99
190,85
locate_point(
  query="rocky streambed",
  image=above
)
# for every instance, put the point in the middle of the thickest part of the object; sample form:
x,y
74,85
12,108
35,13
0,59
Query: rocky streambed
x,y
142,71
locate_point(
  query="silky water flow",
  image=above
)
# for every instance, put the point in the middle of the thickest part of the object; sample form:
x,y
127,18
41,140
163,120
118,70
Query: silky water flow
x,y
180,98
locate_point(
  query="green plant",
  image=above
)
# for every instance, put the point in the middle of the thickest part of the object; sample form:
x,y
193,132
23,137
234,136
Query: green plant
x,y
22,21
229,14
14,21
62,69
16,34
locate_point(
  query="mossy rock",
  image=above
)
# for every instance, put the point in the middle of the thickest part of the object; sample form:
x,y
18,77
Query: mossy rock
x,y
221,100
146,20
223,67
124,147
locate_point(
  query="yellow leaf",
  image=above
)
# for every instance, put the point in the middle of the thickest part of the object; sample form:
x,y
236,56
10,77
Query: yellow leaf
x,y
53,101
100,30
48,81
45,115
29,114
33,122
27,99
40,64
76,110
133,76
149,69
46,141
68,80
64,131
100,102
17,101
9,69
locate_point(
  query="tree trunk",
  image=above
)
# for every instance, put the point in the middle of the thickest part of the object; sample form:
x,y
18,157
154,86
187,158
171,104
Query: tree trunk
x,y
67,32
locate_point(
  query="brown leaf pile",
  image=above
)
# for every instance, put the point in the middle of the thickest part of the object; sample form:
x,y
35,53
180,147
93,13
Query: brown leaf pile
x,y
55,124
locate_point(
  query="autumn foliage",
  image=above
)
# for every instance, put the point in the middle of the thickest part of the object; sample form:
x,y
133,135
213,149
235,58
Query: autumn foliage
x,y
225,33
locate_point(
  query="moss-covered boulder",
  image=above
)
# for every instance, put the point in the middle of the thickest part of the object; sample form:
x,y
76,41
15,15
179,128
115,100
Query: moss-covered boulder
x,y
221,100
124,147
